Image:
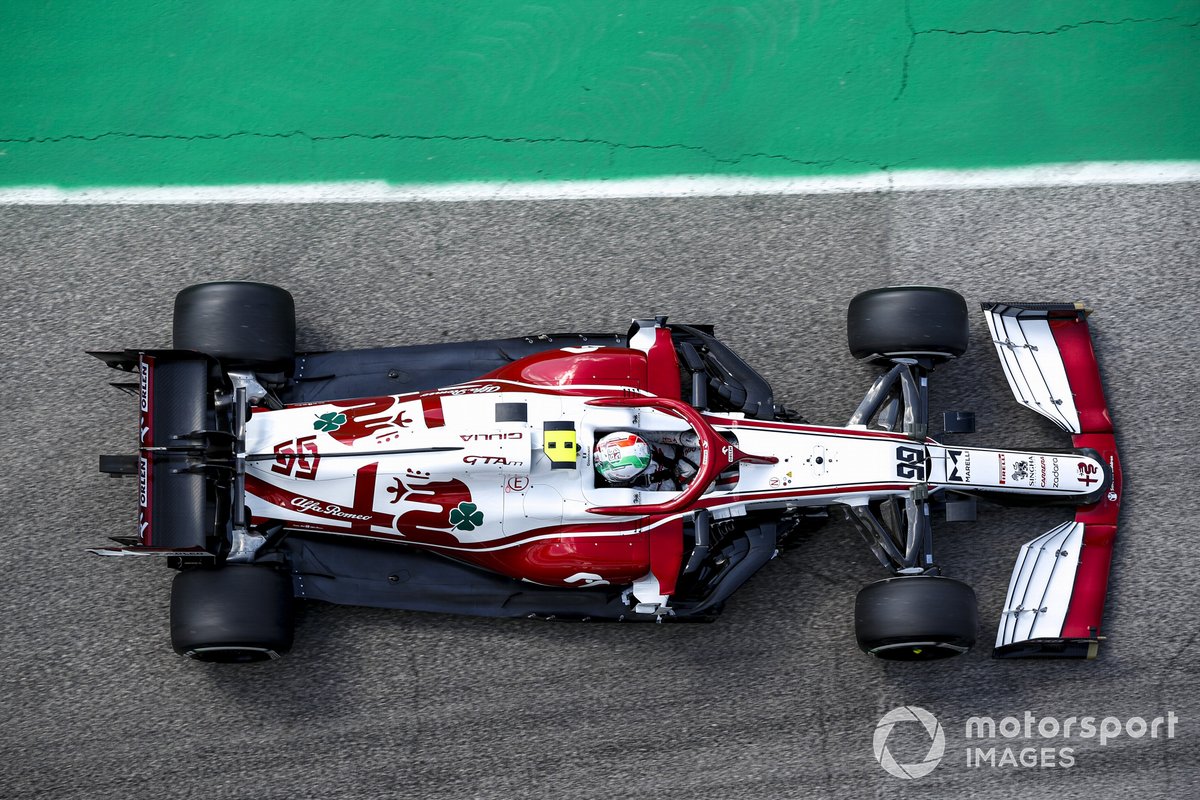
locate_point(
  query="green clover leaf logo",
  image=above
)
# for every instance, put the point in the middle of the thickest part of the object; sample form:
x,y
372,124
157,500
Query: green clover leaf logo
x,y
330,422
467,517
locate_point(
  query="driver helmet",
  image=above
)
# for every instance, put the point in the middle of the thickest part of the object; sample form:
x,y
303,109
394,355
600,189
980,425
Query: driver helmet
x,y
622,456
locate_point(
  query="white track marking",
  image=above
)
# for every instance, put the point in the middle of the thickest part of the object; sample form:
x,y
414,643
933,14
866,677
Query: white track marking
x,y
1092,173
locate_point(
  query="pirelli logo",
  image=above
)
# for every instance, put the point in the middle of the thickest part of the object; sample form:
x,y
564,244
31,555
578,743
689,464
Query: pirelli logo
x,y
558,443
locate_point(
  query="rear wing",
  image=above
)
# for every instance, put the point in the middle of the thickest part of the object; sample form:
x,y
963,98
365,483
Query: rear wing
x,y
177,508
1055,598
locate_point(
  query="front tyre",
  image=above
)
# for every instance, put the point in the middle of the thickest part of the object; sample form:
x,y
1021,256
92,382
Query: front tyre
x,y
908,322
240,322
916,618
232,614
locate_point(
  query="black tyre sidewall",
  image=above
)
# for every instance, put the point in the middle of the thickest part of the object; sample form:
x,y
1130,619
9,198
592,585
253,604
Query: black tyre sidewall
x,y
234,613
907,320
240,322
894,612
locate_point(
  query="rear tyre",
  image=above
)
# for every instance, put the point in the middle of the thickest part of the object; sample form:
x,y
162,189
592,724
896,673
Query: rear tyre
x,y
916,618
232,614
244,323
908,322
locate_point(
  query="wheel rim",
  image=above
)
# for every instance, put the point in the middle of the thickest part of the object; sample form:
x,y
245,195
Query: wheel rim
x,y
237,654
918,651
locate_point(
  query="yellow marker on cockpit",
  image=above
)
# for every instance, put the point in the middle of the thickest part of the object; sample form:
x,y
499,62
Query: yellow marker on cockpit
x,y
558,443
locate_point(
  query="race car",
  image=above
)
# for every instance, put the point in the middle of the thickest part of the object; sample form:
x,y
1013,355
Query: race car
x,y
643,476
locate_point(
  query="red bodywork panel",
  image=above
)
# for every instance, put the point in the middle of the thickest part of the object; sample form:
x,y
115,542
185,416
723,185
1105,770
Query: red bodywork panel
x,y
620,559
604,366
662,366
656,371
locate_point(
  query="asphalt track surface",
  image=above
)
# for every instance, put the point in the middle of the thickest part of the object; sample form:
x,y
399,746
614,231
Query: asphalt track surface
x,y
774,699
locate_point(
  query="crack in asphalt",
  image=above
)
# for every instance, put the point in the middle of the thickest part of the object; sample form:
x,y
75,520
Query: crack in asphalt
x,y
912,42
612,145
913,33
1060,29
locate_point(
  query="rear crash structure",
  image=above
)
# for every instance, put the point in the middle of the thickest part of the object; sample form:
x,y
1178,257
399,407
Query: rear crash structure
x,y
459,477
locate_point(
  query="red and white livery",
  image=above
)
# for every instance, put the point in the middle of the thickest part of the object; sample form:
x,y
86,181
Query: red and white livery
x,y
482,496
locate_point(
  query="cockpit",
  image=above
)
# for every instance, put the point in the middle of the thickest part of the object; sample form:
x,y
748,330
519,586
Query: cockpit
x,y
643,456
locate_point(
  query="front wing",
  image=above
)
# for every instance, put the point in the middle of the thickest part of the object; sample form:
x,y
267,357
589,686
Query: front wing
x,y
1055,598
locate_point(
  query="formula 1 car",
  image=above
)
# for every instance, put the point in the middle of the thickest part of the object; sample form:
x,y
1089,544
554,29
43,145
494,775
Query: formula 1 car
x,y
460,477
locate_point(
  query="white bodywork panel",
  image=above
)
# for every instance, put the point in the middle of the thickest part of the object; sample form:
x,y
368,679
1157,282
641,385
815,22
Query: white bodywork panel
x,y
826,462
513,484
502,463
1033,365
511,480
1060,474
1041,585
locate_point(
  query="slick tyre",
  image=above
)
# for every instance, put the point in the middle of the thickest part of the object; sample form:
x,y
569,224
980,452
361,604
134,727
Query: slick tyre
x,y
908,322
916,618
232,614
239,322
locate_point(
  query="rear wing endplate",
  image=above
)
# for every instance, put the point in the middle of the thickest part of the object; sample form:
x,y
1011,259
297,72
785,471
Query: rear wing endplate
x,y
174,514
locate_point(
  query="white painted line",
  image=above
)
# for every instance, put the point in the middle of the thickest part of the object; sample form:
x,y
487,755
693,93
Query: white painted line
x,y
1092,173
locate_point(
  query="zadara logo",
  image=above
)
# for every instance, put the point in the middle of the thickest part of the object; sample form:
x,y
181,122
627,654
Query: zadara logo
x,y
907,714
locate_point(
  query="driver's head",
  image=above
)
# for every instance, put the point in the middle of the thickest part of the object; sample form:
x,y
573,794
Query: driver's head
x,y
620,457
